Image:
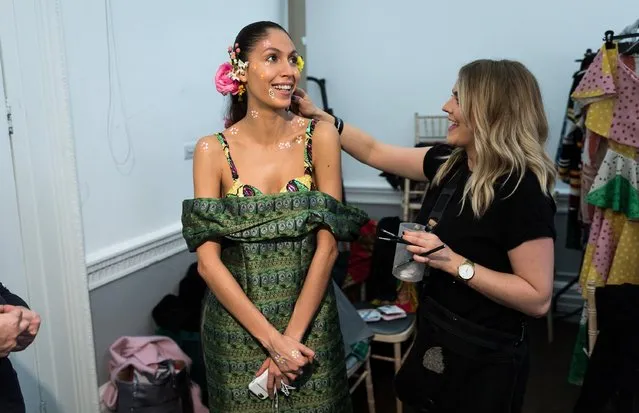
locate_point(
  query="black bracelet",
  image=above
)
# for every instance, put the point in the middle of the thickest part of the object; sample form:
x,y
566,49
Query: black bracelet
x,y
339,124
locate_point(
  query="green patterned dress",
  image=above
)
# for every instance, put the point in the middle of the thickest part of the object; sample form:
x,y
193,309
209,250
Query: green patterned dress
x,y
268,242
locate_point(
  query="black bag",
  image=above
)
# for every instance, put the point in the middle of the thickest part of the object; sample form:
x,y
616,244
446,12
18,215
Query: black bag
x,y
168,391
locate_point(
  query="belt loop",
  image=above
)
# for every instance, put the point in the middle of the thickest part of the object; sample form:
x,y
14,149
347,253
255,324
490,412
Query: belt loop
x,y
522,335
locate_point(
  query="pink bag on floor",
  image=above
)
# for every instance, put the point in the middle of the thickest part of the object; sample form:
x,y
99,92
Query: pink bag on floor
x,y
150,374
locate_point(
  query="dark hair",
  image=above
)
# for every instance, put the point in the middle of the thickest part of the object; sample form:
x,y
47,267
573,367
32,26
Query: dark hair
x,y
246,40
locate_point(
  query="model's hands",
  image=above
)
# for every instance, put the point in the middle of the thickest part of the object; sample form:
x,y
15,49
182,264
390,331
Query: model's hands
x,y
289,354
275,376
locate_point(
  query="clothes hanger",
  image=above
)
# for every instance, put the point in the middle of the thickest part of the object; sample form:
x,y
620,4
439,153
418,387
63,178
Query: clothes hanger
x,y
609,36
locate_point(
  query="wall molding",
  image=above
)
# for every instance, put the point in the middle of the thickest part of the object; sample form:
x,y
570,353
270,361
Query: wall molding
x,y
385,195
118,261
372,195
113,263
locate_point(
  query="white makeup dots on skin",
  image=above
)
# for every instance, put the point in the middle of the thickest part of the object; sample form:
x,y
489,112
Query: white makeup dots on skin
x,y
288,145
204,146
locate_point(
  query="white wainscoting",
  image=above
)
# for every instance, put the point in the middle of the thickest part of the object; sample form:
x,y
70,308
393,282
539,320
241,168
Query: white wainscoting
x,y
128,257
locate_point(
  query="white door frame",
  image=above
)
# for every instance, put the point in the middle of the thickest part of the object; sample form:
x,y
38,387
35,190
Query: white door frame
x,y
48,201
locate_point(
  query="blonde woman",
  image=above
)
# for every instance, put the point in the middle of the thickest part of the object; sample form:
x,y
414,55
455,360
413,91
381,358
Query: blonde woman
x,y
471,352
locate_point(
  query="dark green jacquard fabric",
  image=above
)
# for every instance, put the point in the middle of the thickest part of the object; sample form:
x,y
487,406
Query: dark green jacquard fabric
x,y
268,242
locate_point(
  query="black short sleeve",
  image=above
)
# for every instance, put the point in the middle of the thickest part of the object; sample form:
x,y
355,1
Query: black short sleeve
x,y
528,213
7,297
434,158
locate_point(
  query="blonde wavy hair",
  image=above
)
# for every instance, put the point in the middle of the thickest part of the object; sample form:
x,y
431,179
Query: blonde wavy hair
x,y
502,104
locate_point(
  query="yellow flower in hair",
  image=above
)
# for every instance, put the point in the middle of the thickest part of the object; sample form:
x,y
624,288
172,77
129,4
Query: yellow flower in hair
x,y
300,63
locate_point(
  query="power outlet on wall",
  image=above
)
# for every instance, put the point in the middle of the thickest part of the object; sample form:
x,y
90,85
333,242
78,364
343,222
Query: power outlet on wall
x,y
189,148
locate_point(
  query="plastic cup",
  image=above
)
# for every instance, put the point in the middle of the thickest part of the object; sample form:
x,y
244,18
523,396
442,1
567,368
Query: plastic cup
x,y
403,268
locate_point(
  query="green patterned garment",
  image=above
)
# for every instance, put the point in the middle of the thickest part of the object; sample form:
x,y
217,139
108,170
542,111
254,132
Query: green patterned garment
x,y
268,242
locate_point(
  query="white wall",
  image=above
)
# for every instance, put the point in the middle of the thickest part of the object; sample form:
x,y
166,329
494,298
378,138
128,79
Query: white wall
x,y
140,78
386,61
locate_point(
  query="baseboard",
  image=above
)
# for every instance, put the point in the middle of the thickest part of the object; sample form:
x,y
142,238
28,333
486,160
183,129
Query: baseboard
x,y
116,262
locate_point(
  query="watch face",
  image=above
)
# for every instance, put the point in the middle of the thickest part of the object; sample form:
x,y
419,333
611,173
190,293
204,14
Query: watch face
x,y
466,271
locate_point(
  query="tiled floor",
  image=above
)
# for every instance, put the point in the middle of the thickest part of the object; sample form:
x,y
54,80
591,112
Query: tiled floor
x,y
548,389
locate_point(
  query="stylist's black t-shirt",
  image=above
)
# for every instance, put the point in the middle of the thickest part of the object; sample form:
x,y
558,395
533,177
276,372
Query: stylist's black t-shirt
x,y
512,218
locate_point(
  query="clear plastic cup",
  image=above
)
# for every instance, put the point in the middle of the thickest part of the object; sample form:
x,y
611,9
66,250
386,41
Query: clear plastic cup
x,y
403,268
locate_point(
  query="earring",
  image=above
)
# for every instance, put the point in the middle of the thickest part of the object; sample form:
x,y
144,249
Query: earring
x,y
240,91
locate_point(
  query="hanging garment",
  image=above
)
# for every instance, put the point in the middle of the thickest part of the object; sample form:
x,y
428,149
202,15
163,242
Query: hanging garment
x,y
593,155
569,159
610,88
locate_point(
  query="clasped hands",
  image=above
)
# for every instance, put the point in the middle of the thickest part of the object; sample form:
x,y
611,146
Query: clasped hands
x,y
288,357
18,328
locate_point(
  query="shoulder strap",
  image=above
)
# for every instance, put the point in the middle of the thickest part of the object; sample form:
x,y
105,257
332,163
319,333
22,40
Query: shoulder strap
x,y
308,147
444,197
227,152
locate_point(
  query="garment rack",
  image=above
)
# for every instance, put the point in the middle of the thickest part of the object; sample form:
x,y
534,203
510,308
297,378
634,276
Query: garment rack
x,y
609,36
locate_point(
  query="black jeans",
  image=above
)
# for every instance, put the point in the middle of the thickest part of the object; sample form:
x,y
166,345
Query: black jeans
x,y
10,394
458,366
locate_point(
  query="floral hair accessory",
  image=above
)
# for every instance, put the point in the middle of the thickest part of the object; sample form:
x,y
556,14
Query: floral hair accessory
x,y
300,63
227,77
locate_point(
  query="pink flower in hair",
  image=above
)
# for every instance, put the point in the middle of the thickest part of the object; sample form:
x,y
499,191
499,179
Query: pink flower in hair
x,y
223,81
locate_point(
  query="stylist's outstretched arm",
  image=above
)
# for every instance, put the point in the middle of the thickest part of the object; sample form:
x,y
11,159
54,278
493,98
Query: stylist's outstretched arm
x,y
398,160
